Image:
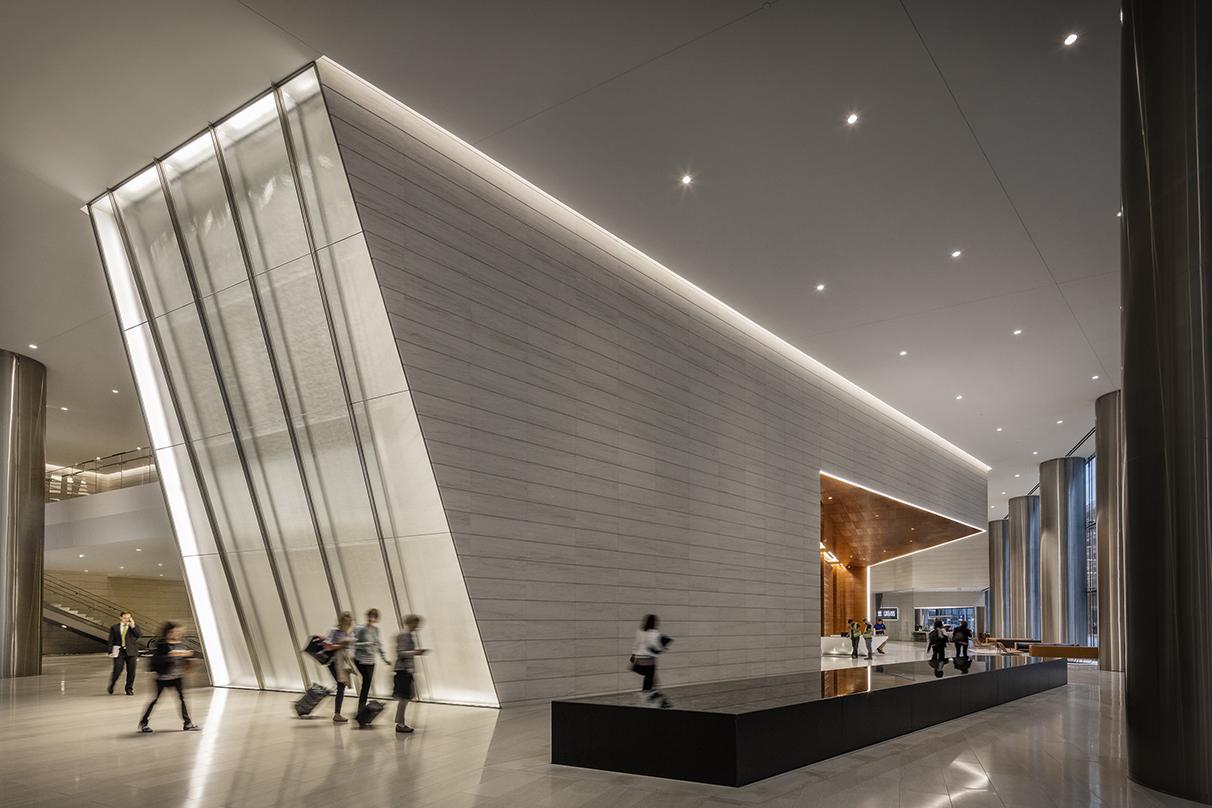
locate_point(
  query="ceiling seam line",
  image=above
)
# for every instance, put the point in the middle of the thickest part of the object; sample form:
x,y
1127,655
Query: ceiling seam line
x,y
997,177
282,28
657,57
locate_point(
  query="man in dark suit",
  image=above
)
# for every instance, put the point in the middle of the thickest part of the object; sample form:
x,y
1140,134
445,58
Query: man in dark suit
x,y
124,648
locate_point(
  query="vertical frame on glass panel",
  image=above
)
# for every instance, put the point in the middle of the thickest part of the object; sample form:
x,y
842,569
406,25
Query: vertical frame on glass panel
x,y
474,621
273,364
236,442
211,645
293,164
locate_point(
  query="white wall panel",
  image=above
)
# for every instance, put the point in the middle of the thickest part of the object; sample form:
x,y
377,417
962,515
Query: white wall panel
x,y
607,439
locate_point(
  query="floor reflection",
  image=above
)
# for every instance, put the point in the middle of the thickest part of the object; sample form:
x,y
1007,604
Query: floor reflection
x,y
64,743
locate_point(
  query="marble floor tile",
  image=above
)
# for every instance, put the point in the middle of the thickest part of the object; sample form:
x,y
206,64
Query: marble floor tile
x,y
65,743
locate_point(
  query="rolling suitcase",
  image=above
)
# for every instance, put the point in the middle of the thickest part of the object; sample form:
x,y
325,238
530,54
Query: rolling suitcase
x,y
369,713
310,700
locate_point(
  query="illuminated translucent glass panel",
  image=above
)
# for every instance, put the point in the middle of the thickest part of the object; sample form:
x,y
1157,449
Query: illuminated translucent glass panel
x,y
292,461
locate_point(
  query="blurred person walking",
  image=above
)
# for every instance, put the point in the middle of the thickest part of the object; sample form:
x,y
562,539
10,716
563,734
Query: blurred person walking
x,y
937,641
407,649
649,642
961,637
169,662
124,649
367,648
340,641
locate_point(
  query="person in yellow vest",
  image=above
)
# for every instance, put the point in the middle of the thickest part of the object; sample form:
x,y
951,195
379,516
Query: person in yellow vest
x,y
856,631
868,635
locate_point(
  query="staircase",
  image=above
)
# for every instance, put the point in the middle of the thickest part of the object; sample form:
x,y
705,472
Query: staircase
x,y
91,615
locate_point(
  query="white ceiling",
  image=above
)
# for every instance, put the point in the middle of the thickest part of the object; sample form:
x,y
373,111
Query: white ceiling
x,y
1012,159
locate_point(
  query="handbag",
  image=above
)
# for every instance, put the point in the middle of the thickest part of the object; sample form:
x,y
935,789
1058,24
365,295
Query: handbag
x,y
315,649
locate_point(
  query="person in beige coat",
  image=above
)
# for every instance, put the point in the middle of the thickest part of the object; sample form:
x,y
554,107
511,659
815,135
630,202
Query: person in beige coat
x,y
340,640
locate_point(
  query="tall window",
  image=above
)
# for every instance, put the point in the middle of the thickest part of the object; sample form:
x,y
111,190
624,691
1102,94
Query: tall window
x,y
1091,554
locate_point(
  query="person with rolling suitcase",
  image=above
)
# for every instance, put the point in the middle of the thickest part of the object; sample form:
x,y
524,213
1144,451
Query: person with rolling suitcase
x,y
367,648
339,641
310,700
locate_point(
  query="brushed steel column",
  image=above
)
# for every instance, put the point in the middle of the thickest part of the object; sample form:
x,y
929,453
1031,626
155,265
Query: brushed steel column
x,y
999,577
1108,497
1166,152
1024,567
1062,550
22,512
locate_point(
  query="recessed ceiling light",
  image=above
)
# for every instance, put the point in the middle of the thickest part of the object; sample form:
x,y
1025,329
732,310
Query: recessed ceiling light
x,y
852,118
1094,378
1119,215
956,253
80,556
138,448
97,458
161,575
960,397
1059,421
1069,40
1003,493
904,353
999,429
1018,475
1017,331
86,570
115,392
687,179
159,565
121,567
63,408
820,287
138,549
1035,453
33,347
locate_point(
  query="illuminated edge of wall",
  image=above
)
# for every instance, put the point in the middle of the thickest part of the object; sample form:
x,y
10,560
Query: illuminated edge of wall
x,y
156,414
722,309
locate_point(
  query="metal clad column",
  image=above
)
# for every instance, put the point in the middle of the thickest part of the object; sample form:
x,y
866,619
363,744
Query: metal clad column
x,y
1062,550
1166,150
22,512
1024,567
999,578
1109,489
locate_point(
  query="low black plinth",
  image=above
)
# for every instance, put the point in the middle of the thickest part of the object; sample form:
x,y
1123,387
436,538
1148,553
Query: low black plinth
x,y
733,733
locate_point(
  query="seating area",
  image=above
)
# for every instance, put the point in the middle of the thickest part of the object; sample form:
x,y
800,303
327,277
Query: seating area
x,y
1061,651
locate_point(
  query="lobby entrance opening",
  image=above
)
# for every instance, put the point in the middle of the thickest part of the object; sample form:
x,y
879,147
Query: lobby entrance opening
x,y
860,528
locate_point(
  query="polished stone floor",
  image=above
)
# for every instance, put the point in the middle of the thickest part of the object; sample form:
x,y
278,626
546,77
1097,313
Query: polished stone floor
x,y
63,742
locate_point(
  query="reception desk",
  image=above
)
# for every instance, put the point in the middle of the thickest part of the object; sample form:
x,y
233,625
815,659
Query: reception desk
x,y
840,646
738,732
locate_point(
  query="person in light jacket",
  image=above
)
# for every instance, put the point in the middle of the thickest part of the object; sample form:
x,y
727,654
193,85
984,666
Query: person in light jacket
x,y
340,641
367,648
407,650
649,642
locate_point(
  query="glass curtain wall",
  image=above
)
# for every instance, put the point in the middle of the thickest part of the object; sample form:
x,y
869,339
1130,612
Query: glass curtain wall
x,y
1091,552
279,412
